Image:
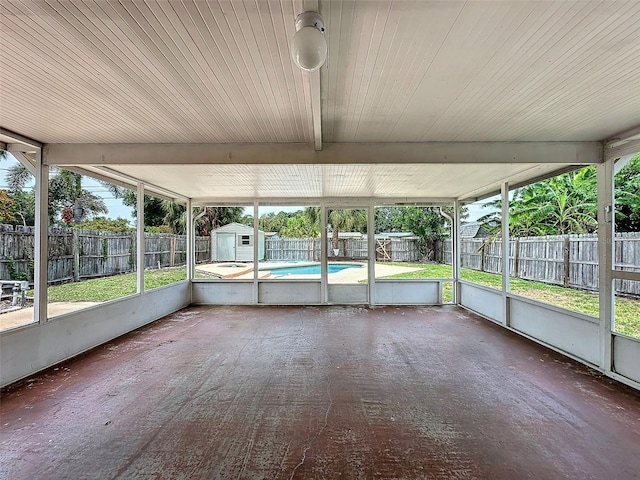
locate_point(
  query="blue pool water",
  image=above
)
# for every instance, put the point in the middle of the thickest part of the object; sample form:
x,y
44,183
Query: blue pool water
x,y
311,269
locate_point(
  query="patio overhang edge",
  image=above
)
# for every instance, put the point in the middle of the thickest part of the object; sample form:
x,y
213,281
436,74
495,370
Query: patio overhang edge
x,y
577,153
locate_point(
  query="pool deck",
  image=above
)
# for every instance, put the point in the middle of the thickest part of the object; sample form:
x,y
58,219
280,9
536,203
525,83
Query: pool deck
x,y
244,271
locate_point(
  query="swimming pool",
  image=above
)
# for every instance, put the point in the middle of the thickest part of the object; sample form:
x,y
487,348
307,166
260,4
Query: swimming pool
x,y
310,269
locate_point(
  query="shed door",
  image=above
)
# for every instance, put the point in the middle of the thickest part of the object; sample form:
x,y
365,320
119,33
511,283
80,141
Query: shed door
x,y
226,247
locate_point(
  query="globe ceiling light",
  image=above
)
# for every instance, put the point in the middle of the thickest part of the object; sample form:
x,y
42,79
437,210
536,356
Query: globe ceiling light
x,y
309,47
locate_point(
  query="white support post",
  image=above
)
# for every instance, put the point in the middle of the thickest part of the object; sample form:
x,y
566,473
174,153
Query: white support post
x,y
41,250
324,251
371,252
606,234
191,242
455,251
140,239
505,253
256,251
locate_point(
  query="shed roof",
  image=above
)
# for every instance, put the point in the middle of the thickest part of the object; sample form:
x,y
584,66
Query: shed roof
x,y
472,230
235,227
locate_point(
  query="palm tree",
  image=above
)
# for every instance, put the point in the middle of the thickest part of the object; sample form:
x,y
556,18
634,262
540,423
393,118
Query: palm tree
x,y
346,220
207,218
65,192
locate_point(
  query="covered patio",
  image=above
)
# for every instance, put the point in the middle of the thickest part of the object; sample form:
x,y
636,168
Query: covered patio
x,y
420,103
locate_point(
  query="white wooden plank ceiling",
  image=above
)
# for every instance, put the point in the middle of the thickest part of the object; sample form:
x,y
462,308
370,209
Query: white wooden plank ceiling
x,y
382,181
199,72
150,72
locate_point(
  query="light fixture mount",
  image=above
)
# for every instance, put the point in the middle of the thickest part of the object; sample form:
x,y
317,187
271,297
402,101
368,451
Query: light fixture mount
x,y
309,47
310,19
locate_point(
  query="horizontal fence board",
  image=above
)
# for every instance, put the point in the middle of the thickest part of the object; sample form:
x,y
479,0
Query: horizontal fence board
x,y
566,260
76,254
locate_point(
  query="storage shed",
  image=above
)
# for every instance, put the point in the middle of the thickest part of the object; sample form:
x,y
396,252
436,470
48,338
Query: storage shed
x,y
234,243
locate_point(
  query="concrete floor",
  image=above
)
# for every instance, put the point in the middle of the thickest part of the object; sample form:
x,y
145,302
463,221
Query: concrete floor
x,y
320,392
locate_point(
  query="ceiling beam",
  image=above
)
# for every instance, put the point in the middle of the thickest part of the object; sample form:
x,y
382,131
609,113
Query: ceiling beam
x,y
8,136
316,108
26,160
622,144
623,137
356,201
314,86
575,153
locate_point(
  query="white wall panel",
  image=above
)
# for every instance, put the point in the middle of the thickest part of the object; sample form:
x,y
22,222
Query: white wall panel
x,y
626,357
27,350
348,294
406,293
483,300
282,292
570,332
219,292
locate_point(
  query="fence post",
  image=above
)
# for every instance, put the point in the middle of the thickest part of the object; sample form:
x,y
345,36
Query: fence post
x,y
566,261
172,261
516,258
75,248
483,252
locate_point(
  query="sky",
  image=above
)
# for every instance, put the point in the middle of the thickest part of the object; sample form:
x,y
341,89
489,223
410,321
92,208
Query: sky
x,y
115,205
118,209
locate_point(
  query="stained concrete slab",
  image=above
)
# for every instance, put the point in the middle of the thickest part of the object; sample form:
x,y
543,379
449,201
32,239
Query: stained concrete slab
x,y
320,392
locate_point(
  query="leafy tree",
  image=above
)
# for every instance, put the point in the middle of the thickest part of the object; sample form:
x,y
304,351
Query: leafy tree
x,y
215,217
159,229
300,226
207,218
273,222
349,220
105,224
154,208
24,207
556,206
627,194
65,191
427,223
7,206
18,177
312,214
246,220
174,220
384,220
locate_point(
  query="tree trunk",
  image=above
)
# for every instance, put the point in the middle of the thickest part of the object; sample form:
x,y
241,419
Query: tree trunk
x,y
77,213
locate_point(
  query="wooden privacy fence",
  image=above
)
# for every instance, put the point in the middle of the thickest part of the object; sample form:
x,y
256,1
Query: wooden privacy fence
x,y
292,249
308,249
396,250
566,260
75,254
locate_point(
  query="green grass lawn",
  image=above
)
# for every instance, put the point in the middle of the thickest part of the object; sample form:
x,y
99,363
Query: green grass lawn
x,y
110,288
627,310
